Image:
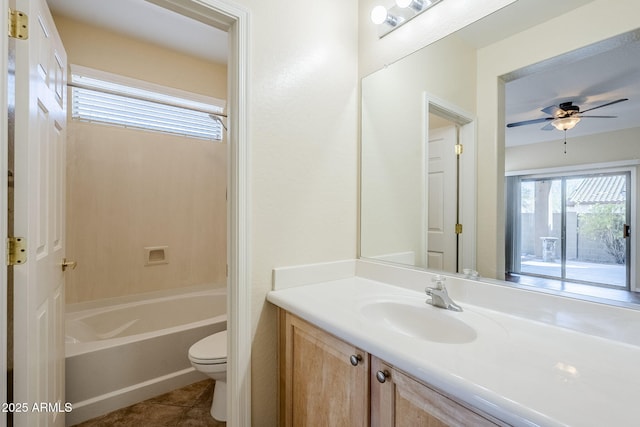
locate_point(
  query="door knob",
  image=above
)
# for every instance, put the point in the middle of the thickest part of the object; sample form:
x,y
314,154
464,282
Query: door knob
x,y
68,264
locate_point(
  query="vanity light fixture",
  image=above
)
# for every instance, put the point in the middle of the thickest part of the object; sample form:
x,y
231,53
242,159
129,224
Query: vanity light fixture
x,y
388,19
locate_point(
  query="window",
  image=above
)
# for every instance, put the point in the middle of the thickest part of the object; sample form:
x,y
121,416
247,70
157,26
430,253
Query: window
x,y
101,97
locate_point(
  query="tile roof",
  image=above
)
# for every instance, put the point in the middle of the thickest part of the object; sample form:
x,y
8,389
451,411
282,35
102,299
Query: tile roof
x,y
601,189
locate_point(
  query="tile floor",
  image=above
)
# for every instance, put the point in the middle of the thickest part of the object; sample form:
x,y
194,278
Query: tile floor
x,y
188,406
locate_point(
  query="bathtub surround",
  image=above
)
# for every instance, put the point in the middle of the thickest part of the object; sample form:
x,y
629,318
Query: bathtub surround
x,y
126,191
132,227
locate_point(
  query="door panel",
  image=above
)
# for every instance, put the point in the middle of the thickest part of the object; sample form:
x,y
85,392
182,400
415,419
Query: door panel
x,y
40,126
442,247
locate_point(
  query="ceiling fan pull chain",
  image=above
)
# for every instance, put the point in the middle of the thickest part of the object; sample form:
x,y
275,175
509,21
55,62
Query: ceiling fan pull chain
x,y
565,141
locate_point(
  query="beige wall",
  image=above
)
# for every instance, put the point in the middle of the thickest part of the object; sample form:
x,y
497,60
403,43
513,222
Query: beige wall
x,y
130,189
606,147
303,123
604,19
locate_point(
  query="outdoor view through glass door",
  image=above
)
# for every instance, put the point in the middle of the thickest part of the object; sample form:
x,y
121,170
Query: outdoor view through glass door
x,y
573,228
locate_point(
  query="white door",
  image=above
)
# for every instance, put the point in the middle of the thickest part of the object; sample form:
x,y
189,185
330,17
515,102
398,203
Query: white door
x,y
40,127
442,247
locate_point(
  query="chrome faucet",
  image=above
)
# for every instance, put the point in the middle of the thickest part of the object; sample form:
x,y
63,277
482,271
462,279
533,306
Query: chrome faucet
x,y
439,296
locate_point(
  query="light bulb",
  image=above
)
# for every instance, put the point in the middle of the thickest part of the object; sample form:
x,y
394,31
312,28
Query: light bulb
x,y
416,5
379,15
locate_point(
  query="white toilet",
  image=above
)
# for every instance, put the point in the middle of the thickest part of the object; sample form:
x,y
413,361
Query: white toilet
x,y
209,356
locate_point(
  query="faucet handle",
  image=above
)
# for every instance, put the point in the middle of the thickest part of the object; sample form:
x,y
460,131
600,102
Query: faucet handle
x,y
439,281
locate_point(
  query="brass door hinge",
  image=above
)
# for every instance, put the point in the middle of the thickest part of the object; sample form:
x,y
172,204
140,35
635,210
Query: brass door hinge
x,y
18,25
459,149
16,250
458,228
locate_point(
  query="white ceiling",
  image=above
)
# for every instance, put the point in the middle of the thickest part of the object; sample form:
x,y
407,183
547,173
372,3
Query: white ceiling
x,y
149,22
596,79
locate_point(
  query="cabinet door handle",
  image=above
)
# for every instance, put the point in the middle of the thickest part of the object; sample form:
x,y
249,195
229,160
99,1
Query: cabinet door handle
x,y
382,376
355,359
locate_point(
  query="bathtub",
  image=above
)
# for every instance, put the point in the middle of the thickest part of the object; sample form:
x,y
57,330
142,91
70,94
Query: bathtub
x,y
132,349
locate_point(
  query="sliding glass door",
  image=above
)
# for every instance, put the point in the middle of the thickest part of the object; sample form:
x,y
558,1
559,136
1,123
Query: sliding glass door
x,y
572,228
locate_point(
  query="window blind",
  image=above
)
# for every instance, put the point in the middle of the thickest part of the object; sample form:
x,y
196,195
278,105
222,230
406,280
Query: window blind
x,y
100,101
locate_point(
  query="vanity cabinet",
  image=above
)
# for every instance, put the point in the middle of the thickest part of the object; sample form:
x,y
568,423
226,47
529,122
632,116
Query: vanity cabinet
x,y
398,400
325,381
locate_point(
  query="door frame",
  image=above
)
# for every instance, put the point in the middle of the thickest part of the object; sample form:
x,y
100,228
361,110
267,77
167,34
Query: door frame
x,y
467,135
234,19
4,170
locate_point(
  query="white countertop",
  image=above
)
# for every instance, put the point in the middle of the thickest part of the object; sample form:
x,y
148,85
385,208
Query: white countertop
x,y
524,372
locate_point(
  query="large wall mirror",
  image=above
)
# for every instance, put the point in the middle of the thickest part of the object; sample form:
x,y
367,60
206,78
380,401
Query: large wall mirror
x,y
427,127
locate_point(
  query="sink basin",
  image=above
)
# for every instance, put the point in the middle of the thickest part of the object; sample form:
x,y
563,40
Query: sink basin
x,y
419,321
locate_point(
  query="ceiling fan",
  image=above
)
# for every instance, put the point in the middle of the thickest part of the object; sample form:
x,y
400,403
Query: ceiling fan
x,y
565,116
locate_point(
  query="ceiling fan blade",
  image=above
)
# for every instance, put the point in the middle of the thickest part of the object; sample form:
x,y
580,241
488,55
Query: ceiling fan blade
x,y
553,110
529,122
598,117
548,126
607,104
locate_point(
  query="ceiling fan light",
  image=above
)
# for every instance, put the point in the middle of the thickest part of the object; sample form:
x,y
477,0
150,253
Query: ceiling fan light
x,y
565,123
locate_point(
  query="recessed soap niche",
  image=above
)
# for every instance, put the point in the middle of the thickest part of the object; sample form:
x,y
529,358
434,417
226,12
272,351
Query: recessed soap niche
x,y
156,255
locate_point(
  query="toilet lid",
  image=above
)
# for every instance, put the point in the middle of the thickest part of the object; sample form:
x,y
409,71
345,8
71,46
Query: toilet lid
x,y
210,350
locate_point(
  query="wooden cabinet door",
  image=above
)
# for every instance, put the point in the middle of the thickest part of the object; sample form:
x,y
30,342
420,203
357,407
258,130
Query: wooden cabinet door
x,y
401,401
319,384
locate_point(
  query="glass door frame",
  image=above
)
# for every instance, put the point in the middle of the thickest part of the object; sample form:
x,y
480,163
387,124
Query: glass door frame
x,y
513,220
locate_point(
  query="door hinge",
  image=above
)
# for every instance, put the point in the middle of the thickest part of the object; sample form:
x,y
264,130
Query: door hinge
x,y
459,149
458,228
18,25
16,250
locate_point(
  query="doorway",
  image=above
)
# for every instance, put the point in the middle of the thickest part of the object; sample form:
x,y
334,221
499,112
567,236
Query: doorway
x,y
450,188
234,20
572,227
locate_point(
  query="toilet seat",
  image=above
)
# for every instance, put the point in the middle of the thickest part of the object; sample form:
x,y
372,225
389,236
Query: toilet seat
x,y
211,350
